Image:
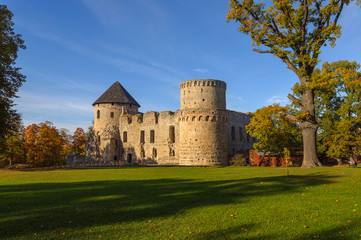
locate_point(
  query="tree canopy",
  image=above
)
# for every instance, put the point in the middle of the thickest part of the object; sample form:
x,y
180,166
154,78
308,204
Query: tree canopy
x,y
10,77
273,131
337,89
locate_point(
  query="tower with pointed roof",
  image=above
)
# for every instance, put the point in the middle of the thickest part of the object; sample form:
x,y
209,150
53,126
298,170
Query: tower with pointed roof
x,y
108,108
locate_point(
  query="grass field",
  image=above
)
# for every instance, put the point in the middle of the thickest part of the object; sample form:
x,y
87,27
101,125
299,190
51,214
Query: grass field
x,y
181,203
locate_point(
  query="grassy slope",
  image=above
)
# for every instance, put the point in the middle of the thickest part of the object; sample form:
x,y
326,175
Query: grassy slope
x,y
181,203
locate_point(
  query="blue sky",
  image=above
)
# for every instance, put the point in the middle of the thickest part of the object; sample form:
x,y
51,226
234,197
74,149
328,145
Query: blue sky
x,y
76,49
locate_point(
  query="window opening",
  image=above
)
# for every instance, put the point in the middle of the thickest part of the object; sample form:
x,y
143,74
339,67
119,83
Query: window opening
x,y
151,136
125,136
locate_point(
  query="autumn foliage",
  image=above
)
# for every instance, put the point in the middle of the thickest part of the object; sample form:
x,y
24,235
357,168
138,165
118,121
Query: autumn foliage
x,y
78,141
42,145
272,161
45,145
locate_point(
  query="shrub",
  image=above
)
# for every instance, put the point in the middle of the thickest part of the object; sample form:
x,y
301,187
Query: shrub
x,y
239,160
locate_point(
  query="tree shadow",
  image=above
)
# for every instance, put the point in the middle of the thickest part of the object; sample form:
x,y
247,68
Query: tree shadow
x,y
50,206
251,231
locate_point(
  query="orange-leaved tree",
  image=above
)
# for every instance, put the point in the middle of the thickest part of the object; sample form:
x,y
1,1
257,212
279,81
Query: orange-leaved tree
x,y
273,131
44,145
78,143
294,31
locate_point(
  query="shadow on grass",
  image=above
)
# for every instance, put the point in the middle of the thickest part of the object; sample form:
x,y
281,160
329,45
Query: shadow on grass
x,y
238,233
29,208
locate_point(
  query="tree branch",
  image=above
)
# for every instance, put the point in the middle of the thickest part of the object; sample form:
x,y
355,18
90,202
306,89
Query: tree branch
x,y
289,116
290,65
294,99
261,51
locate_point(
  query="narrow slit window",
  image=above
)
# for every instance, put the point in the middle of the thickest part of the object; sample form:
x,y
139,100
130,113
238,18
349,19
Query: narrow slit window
x,y
241,134
142,136
151,136
233,133
172,134
125,136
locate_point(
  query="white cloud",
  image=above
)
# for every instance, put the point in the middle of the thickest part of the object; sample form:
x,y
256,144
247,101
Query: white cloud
x,y
200,70
283,100
30,102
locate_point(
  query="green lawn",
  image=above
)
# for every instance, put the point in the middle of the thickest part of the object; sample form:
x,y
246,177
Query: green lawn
x,y
181,203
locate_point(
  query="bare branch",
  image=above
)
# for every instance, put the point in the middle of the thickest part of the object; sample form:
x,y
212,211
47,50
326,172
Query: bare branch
x,y
338,13
290,65
294,99
289,116
261,51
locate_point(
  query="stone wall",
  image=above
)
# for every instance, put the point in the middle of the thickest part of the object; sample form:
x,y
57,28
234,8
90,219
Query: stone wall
x,y
202,132
238,139
109,113
203,137
157,146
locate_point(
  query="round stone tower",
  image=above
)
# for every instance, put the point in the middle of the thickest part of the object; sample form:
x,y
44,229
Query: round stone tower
x,y
107,110
203,123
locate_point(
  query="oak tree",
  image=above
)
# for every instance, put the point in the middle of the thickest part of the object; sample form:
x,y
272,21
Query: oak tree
x,y
10,77
337,88
294,31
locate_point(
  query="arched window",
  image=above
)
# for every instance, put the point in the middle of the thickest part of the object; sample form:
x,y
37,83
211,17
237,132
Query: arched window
x,y
112,115
207,118
98,114
125,136
172,134
151,140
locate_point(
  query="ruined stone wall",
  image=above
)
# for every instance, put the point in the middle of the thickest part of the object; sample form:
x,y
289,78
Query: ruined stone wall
x,y
159,149
202,132
203,93
238,139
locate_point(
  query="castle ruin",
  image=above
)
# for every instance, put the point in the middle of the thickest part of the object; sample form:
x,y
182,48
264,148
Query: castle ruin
x,y
203,132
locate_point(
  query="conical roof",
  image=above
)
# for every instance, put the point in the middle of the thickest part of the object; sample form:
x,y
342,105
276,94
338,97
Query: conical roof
x,y
116,94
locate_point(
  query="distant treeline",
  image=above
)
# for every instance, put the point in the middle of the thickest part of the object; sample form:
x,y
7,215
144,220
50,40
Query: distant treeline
x,y
41,145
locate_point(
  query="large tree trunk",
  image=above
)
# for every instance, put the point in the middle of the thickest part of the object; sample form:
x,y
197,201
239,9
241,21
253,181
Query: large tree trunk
x,y
309,130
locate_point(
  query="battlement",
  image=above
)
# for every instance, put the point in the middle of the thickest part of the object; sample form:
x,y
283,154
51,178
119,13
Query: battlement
x,y
203,93
203,83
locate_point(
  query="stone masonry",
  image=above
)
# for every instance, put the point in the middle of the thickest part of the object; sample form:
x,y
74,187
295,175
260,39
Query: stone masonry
x,y
203,132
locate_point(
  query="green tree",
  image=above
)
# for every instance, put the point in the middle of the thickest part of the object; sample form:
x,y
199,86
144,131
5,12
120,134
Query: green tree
x,y
273,131
337,89
10,77
293,31
13,150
